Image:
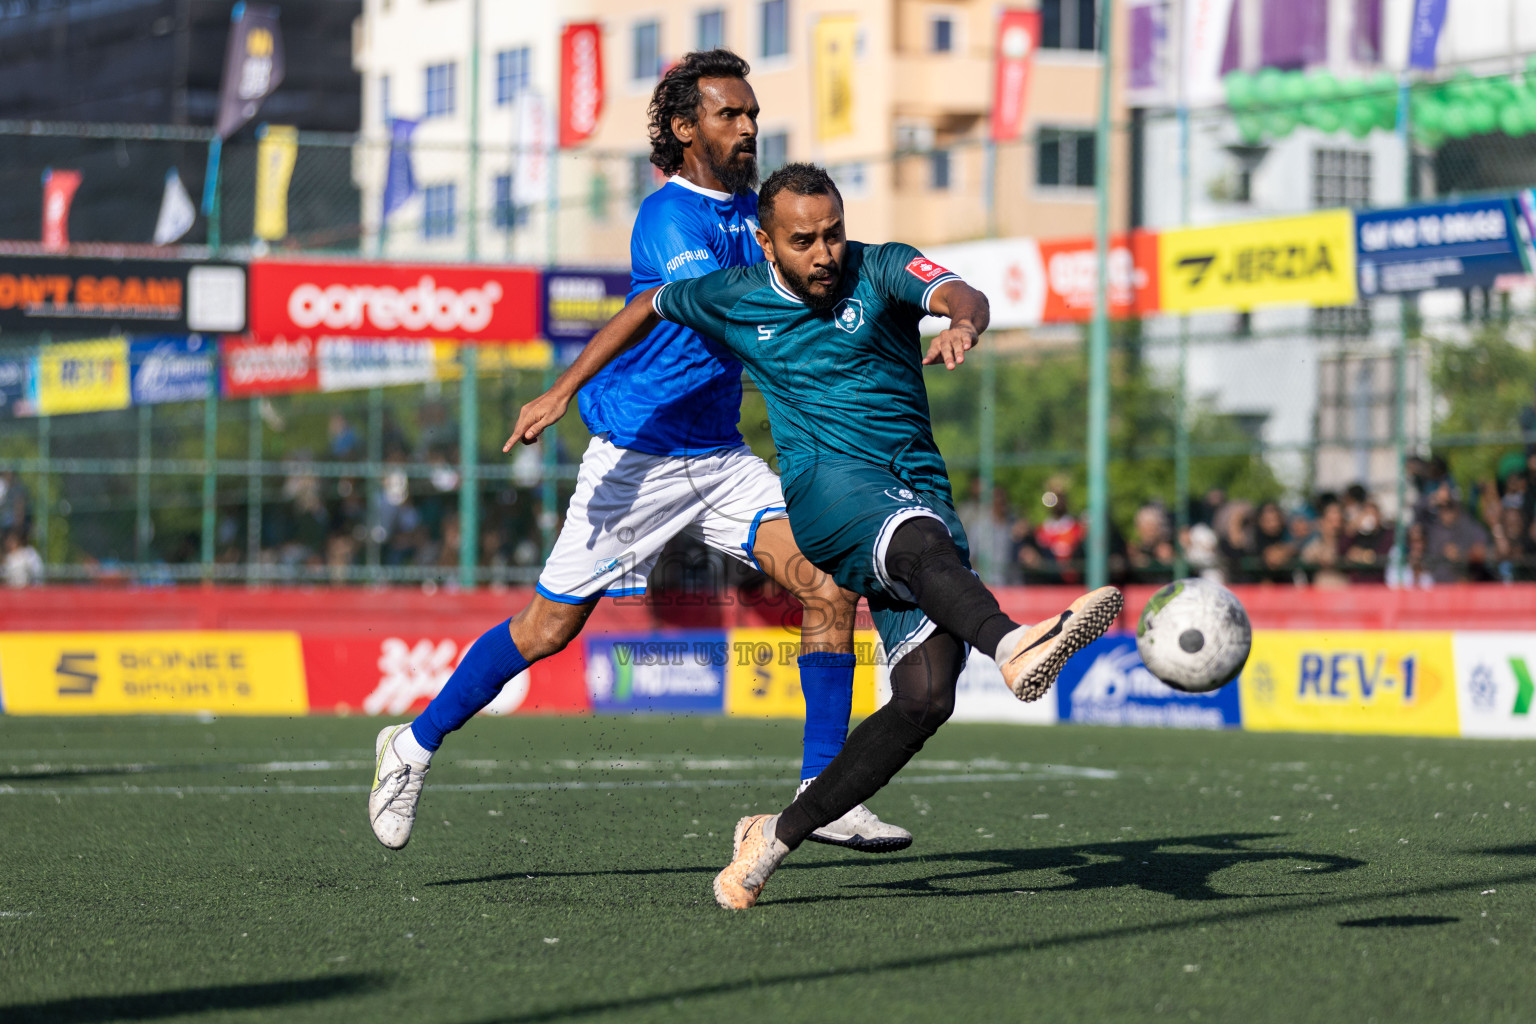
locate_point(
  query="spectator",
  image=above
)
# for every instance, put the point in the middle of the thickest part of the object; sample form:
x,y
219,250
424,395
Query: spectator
x,y
23,565
1150,555
1513,545
15,506
1061,536
1235,544
1355,497
1032,562
990,532
1321,554
1366,546
1277,554
1455,544
344,444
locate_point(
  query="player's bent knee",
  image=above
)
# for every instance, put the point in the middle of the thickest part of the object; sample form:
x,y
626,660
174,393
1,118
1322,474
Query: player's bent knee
x,y
926,714
543,631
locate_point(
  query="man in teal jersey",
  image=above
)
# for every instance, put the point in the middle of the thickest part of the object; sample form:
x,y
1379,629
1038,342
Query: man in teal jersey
x,y
828,328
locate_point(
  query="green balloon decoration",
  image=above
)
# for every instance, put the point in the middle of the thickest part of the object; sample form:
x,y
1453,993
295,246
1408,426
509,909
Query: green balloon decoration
x,y
1240,90
1512,121
1323,87
1454,123
1360,118
1251,127
1482,118
1279,123
1428,113
1296,90
1267,87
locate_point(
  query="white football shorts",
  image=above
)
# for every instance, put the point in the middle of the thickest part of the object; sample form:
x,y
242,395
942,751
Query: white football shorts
x,y
628,505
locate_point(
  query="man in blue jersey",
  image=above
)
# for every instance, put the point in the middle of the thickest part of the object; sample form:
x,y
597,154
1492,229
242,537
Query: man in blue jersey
x,y
666,458
828,328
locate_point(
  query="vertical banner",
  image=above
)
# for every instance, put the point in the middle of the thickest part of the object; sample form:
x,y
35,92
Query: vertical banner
x,y
834,41
277,149
177,214
253,65
581,82
1205,40
58,193
1424,38
81,376
400,179
535,147
1018,34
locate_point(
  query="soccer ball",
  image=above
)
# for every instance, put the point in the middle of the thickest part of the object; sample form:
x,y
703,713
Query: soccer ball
x,y
1194,635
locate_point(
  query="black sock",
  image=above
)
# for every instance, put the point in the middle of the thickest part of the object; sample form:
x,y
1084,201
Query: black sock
x,y
922,557
922,699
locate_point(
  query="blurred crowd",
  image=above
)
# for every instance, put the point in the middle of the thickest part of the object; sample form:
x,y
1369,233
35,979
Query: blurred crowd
x,y
1333,539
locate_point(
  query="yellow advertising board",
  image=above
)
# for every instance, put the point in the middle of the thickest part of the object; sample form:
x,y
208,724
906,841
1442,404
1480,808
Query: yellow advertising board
x,y
277,148
762,679
152,673
1286,261
1388,683
82,376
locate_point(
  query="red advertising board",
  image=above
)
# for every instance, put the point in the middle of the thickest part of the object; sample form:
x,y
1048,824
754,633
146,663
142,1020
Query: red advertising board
x,y
396,674
279,366
1018,35
581,82
393,300
1072,274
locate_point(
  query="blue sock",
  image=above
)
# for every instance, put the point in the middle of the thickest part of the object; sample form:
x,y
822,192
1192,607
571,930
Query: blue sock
x,y
827,682
492,661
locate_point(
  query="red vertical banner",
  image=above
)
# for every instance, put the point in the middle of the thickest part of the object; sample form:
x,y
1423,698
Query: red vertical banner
x,y
1018,35
581,82
58,192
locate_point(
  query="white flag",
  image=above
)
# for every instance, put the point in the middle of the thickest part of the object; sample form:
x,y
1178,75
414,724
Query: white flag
x,y
1205,42
177,214
535,145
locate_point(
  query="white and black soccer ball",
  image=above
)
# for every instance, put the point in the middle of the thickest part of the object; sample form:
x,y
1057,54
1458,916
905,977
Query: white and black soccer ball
x,y
1194,635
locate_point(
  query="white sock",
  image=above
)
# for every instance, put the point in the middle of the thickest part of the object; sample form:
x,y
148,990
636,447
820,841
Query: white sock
x,y
407,746
1005,646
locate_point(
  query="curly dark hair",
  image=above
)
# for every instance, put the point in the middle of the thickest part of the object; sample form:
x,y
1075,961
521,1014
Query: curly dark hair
x,y
798,179
677,95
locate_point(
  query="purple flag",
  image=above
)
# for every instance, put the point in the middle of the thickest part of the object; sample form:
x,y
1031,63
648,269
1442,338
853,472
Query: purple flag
x,y
253,65
1428,20
400,182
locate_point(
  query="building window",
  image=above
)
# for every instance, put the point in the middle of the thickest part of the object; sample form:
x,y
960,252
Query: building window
x,y
439,97
384,114
1340,177
642,177
772,152
775,24
647,51
711,29
1068,25
852,179
508,215
1064,157
513,74
438,219
939,169
941,36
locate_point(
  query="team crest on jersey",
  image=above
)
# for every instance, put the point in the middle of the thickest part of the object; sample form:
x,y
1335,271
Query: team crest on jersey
x,y
924,269
849,315
899,493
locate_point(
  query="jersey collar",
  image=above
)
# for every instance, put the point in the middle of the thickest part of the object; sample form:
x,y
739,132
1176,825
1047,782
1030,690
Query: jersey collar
x,y
780,287
719,197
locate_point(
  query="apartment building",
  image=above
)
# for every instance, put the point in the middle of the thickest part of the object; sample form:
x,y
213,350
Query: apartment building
x,y
913,163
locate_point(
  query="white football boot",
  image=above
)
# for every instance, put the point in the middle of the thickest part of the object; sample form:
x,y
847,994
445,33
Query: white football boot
x,y
755,855
1030,657
860,829
396,790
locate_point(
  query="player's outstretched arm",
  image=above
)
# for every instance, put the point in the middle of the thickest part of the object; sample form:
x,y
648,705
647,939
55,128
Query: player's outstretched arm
x,y
628,326
969,314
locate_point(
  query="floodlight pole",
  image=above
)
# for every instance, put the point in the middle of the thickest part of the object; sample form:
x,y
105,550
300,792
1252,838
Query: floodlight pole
x,y
1098,335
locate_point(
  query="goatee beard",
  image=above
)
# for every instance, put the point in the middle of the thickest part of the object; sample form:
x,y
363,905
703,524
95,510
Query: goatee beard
x,y
735,176
801,287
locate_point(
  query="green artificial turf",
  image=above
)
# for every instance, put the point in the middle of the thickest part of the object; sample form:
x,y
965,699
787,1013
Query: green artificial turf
x,y
224,870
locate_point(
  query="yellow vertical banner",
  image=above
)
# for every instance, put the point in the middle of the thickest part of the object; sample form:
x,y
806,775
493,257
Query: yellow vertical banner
x,y
82,376
834,42
277,149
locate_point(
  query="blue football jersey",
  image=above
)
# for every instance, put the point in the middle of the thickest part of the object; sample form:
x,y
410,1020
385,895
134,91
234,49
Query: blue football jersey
x,y
677,393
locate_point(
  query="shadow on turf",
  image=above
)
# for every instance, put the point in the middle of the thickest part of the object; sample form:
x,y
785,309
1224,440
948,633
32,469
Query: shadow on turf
x,y
1398,921
155,1005
1157,865
753,984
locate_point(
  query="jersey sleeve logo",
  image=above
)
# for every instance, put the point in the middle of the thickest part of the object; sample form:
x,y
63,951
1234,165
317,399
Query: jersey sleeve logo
x,y
925,270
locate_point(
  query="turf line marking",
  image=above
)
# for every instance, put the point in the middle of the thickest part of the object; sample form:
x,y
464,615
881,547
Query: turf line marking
x,y
496,787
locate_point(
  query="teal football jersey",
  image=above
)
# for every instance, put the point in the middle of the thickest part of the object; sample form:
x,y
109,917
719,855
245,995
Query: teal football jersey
x,y
847,382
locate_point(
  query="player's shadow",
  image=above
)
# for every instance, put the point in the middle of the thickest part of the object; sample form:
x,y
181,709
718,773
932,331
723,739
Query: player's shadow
x,y
1520,850
1399,921
176,1002
1178,866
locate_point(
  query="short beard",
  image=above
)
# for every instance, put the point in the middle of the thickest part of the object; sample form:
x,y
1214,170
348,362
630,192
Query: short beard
x,y
801,287
734,176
